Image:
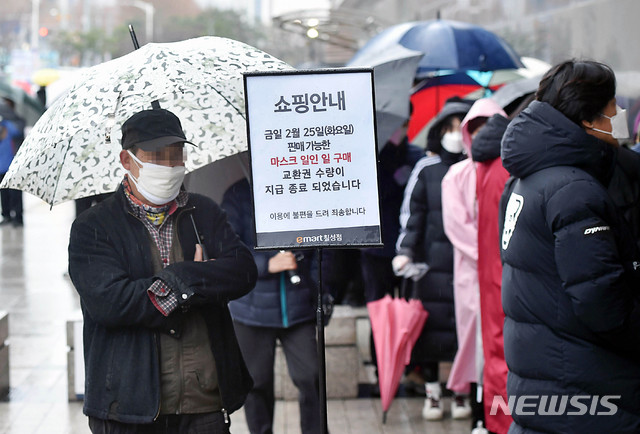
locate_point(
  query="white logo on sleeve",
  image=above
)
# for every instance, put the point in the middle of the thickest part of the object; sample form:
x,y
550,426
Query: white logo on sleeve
x,y
514,206
596,229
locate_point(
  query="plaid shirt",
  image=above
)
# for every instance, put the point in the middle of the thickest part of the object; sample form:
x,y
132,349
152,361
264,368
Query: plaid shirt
x,y
159,222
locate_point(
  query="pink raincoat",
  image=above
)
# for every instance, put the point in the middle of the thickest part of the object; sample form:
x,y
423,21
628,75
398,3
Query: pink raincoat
x,y
459,214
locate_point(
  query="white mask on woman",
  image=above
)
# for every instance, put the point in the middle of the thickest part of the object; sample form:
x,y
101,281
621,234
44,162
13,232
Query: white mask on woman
x,y
157,183
452,142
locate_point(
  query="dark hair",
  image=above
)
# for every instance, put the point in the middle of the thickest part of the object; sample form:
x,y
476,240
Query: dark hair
x,y
447,123
579,89
476,123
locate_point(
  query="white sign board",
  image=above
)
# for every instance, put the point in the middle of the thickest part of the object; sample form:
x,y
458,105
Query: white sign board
x,y
313,153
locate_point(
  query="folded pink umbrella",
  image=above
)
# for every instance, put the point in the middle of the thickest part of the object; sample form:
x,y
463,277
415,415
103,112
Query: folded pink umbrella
x,y
396,324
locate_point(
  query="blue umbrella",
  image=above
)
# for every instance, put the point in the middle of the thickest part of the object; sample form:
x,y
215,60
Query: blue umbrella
x,y
447,45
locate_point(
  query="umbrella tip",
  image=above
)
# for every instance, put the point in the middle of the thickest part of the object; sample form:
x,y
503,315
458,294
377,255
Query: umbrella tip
x,y
134,38
384,417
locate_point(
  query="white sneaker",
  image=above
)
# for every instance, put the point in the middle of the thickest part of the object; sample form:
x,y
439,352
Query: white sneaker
x,y
479,429
432,409
460,407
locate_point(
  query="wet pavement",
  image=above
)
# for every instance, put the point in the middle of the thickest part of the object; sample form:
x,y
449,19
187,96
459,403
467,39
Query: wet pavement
x,y
39,297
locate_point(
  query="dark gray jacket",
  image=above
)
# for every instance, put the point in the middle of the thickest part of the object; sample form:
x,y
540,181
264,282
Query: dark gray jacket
x,y
110,264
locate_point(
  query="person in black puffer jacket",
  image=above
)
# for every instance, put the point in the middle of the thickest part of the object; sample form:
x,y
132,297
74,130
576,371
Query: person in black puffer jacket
x,y
569,286
422,240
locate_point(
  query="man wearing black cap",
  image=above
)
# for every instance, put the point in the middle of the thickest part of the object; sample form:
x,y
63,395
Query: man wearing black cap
x,y
159,345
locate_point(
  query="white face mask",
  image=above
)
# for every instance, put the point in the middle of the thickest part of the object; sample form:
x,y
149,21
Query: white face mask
x,y
157,183
619,128
452,142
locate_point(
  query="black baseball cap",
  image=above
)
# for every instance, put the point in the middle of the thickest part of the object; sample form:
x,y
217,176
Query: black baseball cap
x,y
152,130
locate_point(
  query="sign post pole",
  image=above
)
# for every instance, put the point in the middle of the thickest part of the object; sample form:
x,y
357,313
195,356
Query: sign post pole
x,y
322,365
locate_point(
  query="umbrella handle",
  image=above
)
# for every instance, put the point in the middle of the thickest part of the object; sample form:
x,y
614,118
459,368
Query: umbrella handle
x,y
205,256
403,288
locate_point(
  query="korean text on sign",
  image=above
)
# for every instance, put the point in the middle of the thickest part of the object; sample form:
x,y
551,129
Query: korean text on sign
x,y
318,102
307,160
320,131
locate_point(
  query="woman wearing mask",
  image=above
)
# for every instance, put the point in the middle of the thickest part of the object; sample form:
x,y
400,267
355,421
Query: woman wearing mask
x,y
422,240
569,285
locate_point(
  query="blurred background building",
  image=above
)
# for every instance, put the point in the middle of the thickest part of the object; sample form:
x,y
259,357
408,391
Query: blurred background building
x,y
35,34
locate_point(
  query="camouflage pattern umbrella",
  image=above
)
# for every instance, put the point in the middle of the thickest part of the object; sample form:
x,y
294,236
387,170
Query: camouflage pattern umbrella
x,y
72,151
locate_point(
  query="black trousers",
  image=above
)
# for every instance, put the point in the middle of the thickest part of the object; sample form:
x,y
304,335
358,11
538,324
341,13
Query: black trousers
x,y
258,345
205,423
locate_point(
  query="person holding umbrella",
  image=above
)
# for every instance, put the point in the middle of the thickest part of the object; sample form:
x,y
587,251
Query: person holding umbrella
x,y
160,349
422,240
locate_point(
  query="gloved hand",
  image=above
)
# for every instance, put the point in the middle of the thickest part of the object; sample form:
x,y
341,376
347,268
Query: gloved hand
x,y
404,267
399,262
415,270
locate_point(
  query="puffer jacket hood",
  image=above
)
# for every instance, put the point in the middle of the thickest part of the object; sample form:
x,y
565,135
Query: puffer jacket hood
x,y
482,108
486,145
541,137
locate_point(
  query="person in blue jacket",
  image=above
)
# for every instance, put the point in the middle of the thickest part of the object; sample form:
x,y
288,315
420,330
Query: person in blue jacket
x,y
11,137
276,309
570,287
